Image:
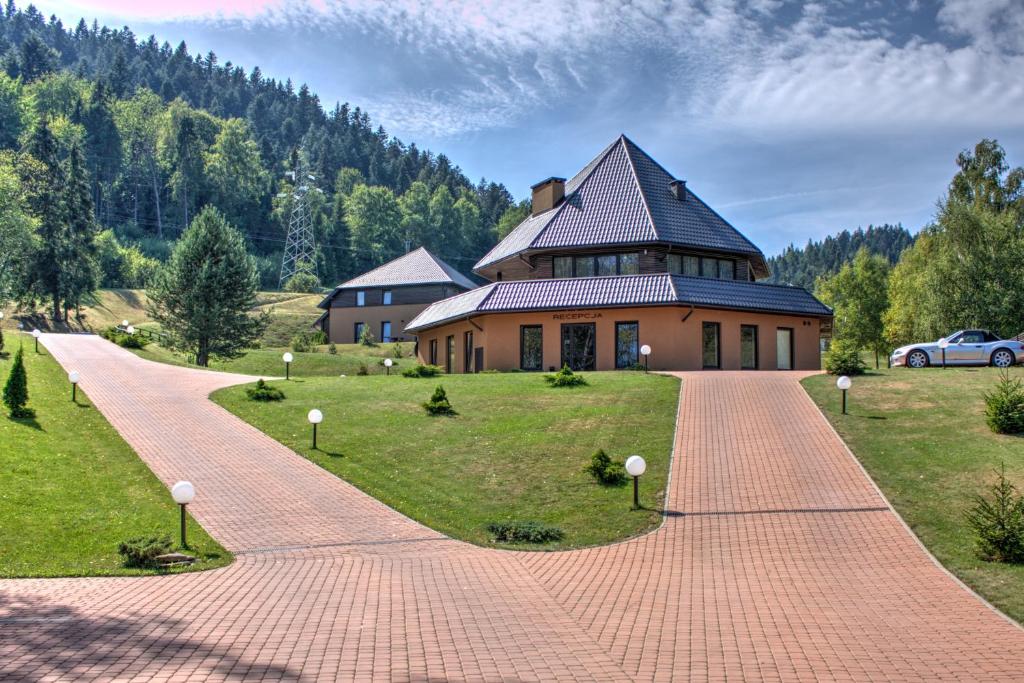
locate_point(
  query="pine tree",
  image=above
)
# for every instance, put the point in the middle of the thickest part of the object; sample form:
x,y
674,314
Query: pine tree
x,y
81,274
16,389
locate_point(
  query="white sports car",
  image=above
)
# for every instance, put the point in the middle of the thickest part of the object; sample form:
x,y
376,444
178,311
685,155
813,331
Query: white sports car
x,y
966,347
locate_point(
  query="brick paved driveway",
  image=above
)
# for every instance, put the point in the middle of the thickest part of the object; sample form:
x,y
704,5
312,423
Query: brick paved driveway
x,y
778,559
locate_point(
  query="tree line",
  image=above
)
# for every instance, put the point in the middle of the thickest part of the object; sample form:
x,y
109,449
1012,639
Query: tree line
x,y
163,133
964,269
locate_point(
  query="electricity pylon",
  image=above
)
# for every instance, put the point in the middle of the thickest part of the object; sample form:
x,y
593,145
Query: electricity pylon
x,y
299,248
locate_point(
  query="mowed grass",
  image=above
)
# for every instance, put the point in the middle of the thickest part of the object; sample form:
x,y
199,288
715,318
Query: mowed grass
x,y
515,451
267,362
71,489
922,436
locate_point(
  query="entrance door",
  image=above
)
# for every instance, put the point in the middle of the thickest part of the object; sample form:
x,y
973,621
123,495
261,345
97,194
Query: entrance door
x,y
579,346
784,348
711,352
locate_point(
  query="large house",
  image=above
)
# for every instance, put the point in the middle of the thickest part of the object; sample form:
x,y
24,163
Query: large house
x,y
620,257
386,298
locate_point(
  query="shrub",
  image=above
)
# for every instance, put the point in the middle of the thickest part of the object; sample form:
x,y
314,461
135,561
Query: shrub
x,y
524,532
565,378
366,337
998,522
16,389
123,339
143,551
843,358
318,337
302,342
363,370
422,371
332,349
302,283
396,350
264,392
438,403
1004,405
607,471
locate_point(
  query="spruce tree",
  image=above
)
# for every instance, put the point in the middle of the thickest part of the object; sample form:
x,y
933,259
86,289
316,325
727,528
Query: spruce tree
x,y
46,200
16,389
81,273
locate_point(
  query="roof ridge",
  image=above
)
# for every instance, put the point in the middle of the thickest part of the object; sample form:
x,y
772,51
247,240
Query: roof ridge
x,y
636,180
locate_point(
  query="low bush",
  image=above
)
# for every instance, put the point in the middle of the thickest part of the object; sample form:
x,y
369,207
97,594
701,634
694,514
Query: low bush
x,y
524,532
302,283
363,370
422,371
843,358
1004,405
264,392
396,350
332,349
366,338
143,551
607,471
123,339
438,403
307,340
565,378
998,521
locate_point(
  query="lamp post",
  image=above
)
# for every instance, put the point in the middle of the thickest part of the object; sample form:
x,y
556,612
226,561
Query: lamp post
x,y
130,330
645,351
287,358
74,378
183,492
36,334
844,383
387,365
635,466
943,344
315,417
124,324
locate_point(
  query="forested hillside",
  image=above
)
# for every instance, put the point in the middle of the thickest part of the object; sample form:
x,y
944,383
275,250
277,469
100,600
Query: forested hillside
x,y
163,132
801,266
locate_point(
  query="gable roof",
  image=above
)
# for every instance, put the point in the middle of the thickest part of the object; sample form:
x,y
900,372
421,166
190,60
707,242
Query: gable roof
x,y
657,289
622,197
418,267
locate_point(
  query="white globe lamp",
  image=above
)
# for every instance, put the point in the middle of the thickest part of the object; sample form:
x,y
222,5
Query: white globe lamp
x,y
843,384
183,493
315,417
636,466
287,358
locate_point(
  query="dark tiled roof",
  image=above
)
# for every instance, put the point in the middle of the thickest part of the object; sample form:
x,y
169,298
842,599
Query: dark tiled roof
x,y
622,197
623,290
418,267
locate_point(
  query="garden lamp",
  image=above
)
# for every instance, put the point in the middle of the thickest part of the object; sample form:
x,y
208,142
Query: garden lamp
x,y
74,378
315,417
645,351
130,329
36,334
287,358
635,466
183,492
843,384
124,324
387,365
943,344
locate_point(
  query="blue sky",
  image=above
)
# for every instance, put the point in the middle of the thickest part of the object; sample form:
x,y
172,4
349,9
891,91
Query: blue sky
x,y
793,120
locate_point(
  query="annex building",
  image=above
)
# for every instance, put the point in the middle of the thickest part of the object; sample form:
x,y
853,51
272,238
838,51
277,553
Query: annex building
x,y
385,299
621,256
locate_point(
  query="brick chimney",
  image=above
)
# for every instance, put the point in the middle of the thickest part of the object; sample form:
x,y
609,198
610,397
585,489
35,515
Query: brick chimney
x,y
547,194
678,189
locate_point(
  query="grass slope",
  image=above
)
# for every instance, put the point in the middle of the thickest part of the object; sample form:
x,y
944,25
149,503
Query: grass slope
x,y
71,489
922,436
516,450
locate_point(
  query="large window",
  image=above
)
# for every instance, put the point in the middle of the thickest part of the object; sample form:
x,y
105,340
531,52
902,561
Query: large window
x,y
675,264
467,352
360,298
531,347
385,331
562,266
387,297
627,344
432,356
748,347
607,264
359,331
449,363
579,346
584,266
711,354
701,266
726,269
691,265
784,348
629,264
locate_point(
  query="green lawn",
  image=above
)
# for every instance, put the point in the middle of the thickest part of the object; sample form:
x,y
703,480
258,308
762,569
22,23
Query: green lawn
x,y
516,450
266,362
922,436
71,489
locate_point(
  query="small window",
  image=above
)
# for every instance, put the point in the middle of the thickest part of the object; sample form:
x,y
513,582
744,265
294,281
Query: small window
x,y
711,354
449,365
708,267
360,298
691,266
467,352
385,331
627,344
562,266
629,264
387,297
607,265
726,270
748,347
584,266
675,264
531,347
359,331
432,357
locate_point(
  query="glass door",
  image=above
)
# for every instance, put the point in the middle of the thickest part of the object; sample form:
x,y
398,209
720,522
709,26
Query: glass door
x,y
784,348
711,353
748,347
579,346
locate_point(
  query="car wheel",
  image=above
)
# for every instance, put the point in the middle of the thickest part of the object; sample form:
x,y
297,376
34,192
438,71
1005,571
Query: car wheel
x,y
917,359
1002,358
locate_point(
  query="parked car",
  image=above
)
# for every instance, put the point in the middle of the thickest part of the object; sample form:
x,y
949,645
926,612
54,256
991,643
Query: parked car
x,y
966,347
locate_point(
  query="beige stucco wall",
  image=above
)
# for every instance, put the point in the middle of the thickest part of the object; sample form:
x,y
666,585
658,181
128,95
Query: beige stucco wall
x,y
342,320
675,344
